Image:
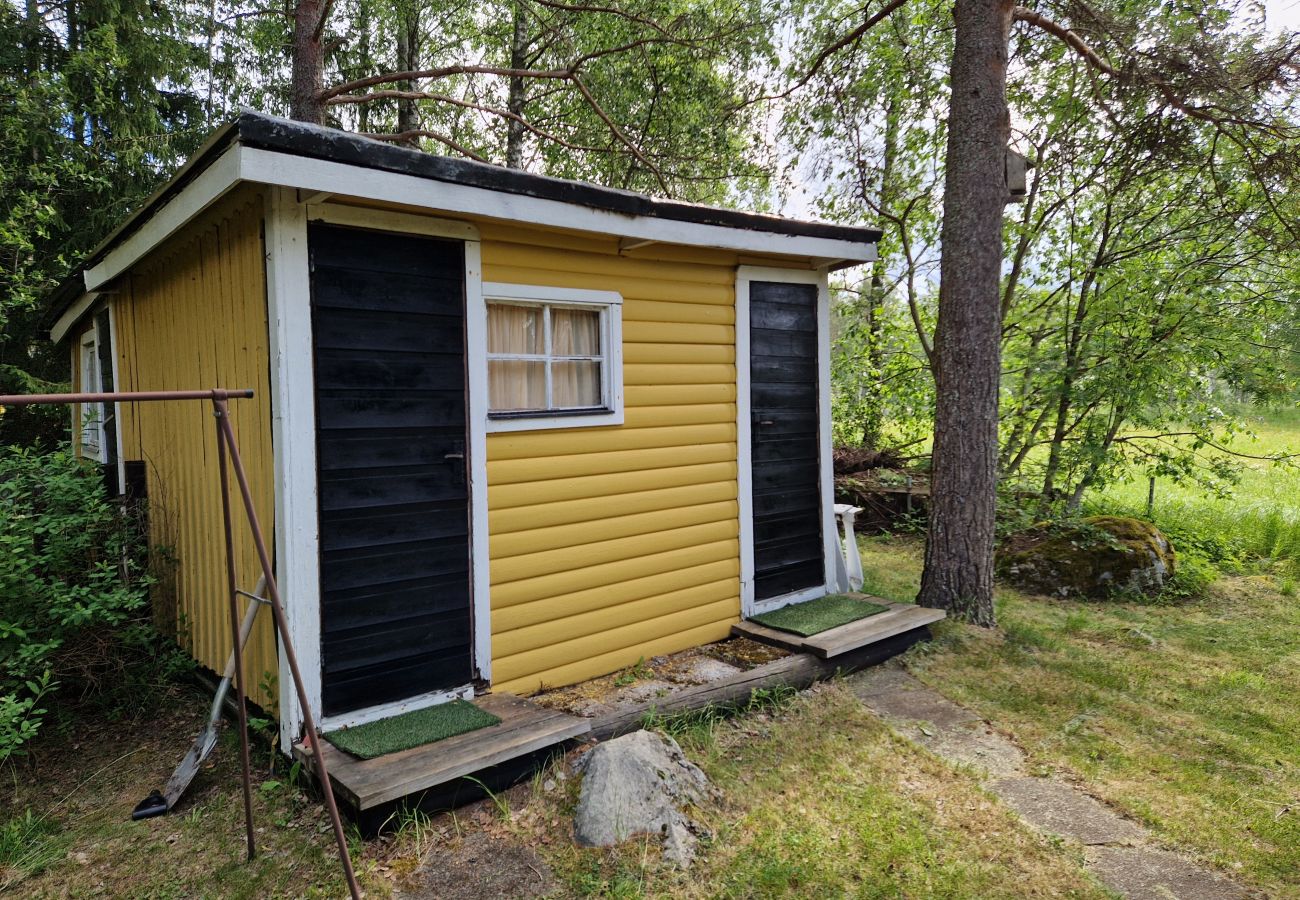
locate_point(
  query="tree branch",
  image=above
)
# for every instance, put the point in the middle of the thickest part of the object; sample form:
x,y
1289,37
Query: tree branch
x,y
834,47
618,132
1076,43
466,104
348,87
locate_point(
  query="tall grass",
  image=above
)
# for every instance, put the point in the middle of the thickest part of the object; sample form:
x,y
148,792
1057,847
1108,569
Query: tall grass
x,y
1259,519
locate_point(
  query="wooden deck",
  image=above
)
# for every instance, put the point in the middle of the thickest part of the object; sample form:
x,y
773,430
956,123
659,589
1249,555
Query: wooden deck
x,y
525,728
901,618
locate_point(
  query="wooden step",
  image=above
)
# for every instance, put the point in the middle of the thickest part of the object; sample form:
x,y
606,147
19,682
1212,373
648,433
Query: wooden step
x,y
525,728
900,618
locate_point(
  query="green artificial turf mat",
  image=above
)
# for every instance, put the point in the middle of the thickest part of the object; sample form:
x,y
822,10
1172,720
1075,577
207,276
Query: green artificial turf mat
x,y
412,729
816,616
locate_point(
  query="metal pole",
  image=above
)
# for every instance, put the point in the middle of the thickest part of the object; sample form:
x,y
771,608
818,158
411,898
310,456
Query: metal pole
x,y
226,437
221,410
118,397
286,644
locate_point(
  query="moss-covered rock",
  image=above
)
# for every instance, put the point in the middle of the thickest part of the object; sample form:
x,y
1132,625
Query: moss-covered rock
x,y
1099,557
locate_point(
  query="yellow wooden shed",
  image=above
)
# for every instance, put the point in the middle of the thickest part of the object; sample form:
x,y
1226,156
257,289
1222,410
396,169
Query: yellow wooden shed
x,y
510,432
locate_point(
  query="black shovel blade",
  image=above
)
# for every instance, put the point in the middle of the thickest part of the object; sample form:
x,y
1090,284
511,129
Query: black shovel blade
x,y
153,805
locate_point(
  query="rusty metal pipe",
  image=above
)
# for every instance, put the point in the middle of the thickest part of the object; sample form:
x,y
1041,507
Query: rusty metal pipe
x,y
221,410
119,397
286,644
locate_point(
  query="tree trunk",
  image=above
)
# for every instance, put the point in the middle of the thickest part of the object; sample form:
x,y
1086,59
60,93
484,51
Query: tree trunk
x,y
517,98
308,63
958,572
408,60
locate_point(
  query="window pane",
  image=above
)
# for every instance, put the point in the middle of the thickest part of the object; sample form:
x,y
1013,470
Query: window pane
x,y
575,332
514,329
516,384
576,384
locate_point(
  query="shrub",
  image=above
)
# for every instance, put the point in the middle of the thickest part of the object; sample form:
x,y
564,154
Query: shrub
x,y
72,588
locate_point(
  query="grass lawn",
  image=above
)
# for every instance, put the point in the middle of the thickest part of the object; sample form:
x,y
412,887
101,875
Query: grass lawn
x,y
65,826
1184,716
823,801
1260,517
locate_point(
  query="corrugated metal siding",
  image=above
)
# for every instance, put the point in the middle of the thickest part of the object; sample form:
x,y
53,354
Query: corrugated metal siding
x,y
612,544
193,315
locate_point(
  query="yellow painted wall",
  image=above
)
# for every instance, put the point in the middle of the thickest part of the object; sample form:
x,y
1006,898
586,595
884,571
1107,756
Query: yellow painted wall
x,y
616,543
193,315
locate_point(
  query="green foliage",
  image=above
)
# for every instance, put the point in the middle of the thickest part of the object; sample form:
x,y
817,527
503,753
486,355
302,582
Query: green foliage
x,y
72,589
95,108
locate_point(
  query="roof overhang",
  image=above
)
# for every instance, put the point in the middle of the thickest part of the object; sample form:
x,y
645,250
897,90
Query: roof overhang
x,y
259,149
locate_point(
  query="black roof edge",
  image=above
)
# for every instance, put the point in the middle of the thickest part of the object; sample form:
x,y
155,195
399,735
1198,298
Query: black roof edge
x,y
254,129
301,139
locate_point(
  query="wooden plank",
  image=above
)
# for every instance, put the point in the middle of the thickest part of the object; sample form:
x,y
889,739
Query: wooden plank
x,y
797,671
900,618
848,637
525,728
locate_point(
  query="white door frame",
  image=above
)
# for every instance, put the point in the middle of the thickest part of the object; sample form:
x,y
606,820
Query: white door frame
x,y
745,275
293,422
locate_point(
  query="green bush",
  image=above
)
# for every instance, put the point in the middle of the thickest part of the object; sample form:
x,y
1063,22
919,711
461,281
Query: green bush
x,y
72,588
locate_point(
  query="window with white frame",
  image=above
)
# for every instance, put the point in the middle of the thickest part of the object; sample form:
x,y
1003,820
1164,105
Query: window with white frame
x,y
91,425
553,356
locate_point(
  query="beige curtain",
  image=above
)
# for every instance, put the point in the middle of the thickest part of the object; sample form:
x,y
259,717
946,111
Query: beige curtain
x,y
575,332
575,383
516,385
515,329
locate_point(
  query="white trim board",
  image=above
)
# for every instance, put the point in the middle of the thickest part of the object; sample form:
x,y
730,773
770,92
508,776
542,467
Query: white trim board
x,y
72,315
320,178
293,437
341,179
396,708
745,275
206,188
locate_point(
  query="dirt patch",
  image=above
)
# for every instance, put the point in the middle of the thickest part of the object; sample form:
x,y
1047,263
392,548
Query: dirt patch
x,y
481,866
659,677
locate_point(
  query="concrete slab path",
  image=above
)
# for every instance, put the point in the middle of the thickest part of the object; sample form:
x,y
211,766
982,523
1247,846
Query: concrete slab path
x,y
1121,853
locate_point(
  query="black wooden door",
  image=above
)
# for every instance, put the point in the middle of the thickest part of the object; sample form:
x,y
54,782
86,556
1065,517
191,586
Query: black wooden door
x,y
784,438
388,317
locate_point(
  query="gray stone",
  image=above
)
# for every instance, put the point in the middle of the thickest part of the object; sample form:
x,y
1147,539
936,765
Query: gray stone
x,y
644,691
1057,808
705,670
1142,874
640,783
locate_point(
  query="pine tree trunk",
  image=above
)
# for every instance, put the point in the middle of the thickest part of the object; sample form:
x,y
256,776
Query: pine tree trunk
x,y
308,64
408,60
958,572
517,98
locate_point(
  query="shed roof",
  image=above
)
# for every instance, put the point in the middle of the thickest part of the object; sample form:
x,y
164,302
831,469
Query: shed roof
x,y
284,136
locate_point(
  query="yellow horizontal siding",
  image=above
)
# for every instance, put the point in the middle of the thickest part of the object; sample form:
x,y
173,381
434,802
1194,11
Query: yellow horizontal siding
x,y
537,540
609,544
506,471
193,315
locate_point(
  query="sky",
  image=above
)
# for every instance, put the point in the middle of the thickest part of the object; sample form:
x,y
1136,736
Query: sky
x,y
1282,15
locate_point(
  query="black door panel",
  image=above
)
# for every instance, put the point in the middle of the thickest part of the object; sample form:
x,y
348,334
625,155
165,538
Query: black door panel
x,y
785,447
388,322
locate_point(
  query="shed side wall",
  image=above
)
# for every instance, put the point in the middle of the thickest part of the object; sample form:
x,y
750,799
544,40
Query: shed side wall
x,y
193,315
616,543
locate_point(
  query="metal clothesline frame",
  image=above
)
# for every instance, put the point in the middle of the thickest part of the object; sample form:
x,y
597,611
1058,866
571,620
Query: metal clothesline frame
x,y
228,457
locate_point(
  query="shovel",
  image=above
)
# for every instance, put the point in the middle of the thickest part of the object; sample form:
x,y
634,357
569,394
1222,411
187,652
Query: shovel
x,y
159,802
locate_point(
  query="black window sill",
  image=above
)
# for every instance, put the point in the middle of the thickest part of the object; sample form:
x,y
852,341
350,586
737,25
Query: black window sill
x,y
550,413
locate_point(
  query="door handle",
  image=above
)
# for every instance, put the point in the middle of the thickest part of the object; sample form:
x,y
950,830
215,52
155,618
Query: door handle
x,y
455,454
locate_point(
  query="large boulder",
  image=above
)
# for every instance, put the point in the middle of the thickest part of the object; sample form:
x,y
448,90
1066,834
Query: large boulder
x,y
640,783
1097,558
